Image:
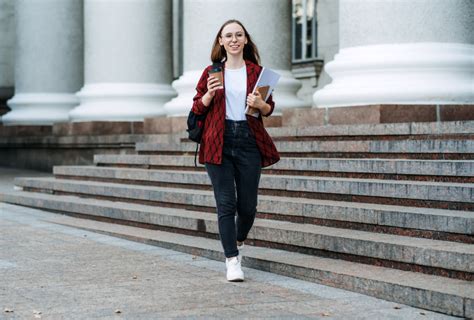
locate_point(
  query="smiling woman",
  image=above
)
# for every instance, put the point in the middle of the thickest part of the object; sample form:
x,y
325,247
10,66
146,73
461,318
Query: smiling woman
x,y
234,146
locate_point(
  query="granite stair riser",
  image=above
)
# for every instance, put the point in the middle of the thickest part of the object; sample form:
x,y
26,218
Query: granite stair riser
x,y
404,146
412,169
447,192
425,219
449,296
357,248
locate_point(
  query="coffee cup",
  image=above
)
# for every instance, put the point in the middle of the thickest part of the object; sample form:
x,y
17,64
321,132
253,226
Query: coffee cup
x,y
216,71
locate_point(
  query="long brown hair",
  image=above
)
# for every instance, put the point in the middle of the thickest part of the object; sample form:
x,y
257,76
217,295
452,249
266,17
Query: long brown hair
x,y
218,52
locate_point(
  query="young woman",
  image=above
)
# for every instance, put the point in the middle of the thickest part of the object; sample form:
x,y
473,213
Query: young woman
x,y
234,146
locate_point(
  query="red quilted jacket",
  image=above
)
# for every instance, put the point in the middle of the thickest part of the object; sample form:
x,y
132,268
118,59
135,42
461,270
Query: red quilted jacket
x,y
212,141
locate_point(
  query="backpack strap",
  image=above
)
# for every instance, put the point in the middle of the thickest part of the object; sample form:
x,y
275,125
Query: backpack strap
x,y
195,155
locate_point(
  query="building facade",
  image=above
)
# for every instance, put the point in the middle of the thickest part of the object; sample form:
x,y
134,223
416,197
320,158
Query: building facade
x,y
126,60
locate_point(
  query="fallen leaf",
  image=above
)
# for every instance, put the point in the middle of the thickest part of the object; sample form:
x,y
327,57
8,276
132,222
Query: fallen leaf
x,y
8,310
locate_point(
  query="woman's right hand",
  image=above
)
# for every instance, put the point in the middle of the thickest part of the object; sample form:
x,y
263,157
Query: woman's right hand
x,y
213,84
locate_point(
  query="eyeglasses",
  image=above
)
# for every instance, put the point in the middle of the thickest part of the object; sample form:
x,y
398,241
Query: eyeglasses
x,y
240,36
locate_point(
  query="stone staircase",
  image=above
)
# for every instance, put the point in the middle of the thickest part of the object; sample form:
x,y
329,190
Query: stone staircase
x,y
384,210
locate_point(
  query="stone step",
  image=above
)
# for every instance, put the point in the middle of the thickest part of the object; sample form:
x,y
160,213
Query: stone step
x,y
452,149
370,130
429,256
370,217
441,294
389,168
299,186
377,146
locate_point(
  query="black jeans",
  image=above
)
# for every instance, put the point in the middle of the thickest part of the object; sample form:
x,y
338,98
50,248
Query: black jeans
x,y
235,182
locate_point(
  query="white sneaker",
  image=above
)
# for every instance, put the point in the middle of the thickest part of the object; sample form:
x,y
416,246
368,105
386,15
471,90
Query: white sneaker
x,y
234,269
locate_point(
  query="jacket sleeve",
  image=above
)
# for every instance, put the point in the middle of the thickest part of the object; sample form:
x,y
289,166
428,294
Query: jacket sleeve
x,y
201,89
272,106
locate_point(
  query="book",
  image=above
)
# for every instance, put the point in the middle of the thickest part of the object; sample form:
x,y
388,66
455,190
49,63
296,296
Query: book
x,y
266,83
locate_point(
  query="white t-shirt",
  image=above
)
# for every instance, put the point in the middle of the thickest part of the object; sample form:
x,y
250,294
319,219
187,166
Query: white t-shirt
x,y
235,93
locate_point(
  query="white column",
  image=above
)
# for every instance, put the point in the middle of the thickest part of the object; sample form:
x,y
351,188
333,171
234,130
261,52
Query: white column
x,y
48,66
402,52
128,60
268,23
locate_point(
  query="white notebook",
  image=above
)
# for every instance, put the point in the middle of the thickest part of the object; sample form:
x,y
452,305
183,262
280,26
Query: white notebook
x,y
266,83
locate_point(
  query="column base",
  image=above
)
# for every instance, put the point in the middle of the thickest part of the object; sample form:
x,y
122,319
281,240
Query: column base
x,y
186,88
285,93
39,108
121,101
411,73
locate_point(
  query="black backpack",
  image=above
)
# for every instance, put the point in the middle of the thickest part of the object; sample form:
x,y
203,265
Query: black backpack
x,y
195,130
195,126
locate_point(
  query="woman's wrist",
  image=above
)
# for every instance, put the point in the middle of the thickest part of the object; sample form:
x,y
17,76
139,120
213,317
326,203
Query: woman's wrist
x,y
206,99
265,108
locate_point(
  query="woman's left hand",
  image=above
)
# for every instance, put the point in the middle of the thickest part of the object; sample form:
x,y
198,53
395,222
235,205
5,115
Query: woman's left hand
x,y
254,100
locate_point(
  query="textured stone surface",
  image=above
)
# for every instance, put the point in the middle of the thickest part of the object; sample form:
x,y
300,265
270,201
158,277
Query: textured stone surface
x,y
15,131
97,128
302,117
408,113
457,112
132,288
